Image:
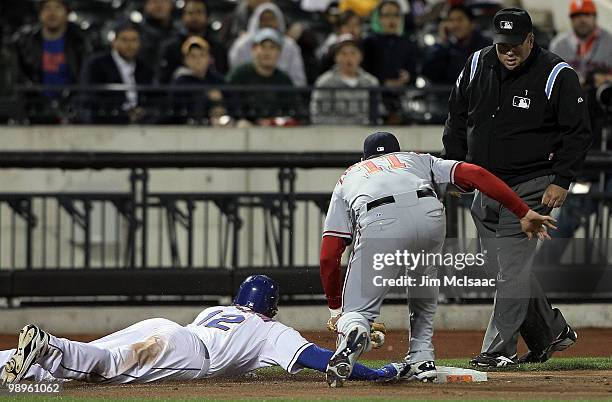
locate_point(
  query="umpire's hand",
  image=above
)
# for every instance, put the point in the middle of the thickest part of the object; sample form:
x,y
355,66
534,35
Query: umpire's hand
x,y
535,224
554,196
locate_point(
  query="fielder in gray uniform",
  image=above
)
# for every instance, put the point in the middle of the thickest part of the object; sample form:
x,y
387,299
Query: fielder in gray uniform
x,y
387,203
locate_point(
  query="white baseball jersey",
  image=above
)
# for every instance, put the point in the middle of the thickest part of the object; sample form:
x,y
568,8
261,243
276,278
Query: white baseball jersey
x,y
240,341
223,340
390,174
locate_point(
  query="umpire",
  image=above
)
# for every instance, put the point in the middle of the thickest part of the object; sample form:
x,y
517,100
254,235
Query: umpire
x,y
518,110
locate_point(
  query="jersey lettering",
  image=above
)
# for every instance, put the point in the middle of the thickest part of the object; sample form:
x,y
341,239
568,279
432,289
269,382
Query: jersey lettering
x,y
394,163
227,319
209,316
371,167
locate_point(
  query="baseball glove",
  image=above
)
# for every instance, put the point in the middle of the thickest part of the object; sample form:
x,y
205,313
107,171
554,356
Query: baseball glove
x,y
377,334
377,331
331,323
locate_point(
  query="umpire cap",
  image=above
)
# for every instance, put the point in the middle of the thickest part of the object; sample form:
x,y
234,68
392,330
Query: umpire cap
x,y
379,143
511,26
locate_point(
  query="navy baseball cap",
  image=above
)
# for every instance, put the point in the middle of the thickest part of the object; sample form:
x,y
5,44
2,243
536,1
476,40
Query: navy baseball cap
x,y
379,143
511,26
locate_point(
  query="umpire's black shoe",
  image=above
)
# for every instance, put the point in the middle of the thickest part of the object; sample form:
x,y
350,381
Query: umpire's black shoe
x,y
566,338
531,357
489,360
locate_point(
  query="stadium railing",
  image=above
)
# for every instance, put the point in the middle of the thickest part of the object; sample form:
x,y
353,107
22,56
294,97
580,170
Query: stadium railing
x,y
191,244
219,105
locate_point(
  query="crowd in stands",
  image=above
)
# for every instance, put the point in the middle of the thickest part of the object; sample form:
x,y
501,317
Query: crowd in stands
x,y
254,61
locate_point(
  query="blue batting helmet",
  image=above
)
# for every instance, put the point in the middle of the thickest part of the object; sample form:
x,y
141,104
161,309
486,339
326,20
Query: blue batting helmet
x,y
260,294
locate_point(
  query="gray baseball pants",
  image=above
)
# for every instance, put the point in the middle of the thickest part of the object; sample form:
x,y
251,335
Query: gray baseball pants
x,y
413,224
520,303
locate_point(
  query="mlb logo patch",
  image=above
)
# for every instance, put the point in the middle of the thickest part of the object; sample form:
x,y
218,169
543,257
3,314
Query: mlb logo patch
x,y
380,149
506,24
519,101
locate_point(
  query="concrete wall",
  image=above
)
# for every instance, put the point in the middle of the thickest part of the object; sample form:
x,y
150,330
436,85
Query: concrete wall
x,y
102,320
184,138
169,139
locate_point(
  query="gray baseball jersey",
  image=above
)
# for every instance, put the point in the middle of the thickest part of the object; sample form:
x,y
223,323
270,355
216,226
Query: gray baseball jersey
x,y
409,223
379,177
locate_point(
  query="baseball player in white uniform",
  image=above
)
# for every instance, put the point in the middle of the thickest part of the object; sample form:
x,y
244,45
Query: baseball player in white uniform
x,y
384,204
221,341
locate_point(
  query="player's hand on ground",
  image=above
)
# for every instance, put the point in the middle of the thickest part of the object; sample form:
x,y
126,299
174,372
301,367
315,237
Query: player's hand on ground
x,y
554,196
388,373
534,224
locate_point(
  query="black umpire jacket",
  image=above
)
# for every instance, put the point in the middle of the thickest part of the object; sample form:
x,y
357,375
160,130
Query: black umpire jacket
x,y
520,124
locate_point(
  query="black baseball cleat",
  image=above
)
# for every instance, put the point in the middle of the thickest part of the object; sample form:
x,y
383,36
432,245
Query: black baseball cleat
x,y
33,342
531,357
566,338
489,360
341,363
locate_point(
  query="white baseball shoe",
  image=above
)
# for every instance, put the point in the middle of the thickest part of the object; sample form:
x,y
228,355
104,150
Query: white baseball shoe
x,y
341,363
33,342
424,371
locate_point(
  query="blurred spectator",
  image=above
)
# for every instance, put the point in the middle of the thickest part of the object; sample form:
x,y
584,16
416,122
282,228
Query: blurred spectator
x,y
475,2
404,10
360,7
330,17
388,55
195,71
52,52
156,27
119,66
307,35
315,5
236,23
458,37
194,22
418,9
262,71
343,106
588,48
268,15
347,23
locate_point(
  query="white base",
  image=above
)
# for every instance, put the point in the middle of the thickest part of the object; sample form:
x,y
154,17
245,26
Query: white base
x,y
455,374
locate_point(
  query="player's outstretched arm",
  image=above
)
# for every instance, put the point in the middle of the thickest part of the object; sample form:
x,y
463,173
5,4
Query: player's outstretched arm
x,y
468,175
316,358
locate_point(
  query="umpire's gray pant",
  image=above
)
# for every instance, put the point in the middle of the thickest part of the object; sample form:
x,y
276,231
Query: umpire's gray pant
x,y
413,224
520,303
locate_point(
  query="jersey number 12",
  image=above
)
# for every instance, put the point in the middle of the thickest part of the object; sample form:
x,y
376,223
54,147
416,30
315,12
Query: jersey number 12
x,y
224,319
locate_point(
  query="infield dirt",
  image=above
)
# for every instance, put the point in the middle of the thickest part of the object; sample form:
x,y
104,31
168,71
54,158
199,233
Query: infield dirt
x,y
542,385
592,342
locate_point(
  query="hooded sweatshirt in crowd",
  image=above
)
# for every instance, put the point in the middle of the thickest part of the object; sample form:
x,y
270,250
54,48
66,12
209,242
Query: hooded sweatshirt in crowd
x,y
290,61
